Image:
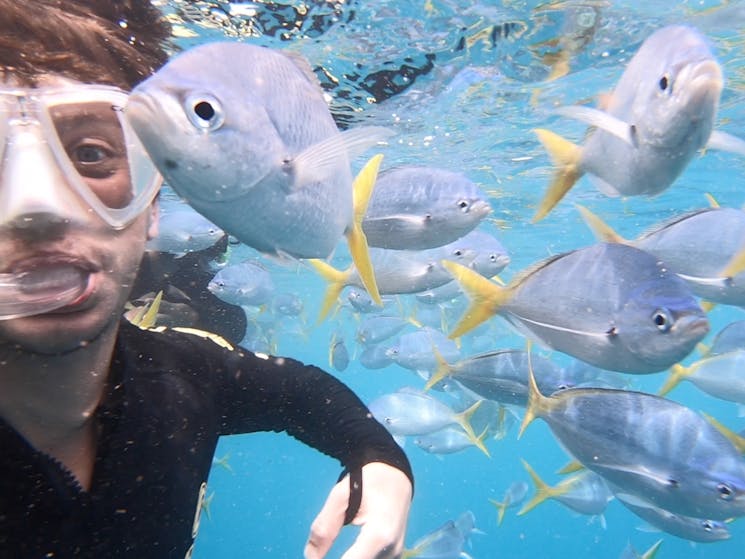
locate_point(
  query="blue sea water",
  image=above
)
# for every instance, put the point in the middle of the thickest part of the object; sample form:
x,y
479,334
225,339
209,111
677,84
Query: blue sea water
x,y
466,83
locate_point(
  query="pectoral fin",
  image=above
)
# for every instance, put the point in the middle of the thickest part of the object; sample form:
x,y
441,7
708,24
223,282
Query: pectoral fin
x,y
726,142
602,120
320,161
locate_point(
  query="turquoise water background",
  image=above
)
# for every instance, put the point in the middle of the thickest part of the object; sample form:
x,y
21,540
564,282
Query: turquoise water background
x,y
476,87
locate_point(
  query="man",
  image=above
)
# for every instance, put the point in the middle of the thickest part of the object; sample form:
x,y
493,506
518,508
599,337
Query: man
x,y
107,431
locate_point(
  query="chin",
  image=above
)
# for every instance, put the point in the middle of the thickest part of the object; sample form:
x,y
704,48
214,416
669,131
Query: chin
x,y
58,332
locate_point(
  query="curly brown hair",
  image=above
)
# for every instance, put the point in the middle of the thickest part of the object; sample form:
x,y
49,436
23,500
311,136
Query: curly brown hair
x,y
115,42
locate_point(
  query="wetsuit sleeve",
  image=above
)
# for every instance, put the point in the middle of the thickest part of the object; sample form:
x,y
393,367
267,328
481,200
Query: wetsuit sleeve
x,y
282,394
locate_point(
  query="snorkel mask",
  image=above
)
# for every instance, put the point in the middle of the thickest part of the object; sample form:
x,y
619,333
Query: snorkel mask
x,y
68,157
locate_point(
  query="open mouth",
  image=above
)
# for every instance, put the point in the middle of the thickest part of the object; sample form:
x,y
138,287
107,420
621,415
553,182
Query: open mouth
x,y
41,286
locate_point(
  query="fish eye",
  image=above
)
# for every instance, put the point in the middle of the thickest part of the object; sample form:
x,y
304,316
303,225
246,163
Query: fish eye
x,y
205,112
463,205
662,320
664,82
707,525
725,491
457,252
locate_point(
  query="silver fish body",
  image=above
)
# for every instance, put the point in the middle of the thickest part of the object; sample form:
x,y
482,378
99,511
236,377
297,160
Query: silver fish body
x,y
448,440
729,338
502,376
719,375
415,207
649,447
408,412
415,350
182,230
225,123
587,494
669,96
611,305
375,329
245,283
338,353
660,113
686,527
698,246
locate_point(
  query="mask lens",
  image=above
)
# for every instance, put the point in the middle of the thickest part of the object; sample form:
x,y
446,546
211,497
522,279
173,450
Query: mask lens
x,y
99,155
93,140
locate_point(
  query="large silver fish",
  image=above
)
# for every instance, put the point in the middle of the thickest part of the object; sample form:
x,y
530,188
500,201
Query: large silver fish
x,y
649,447
243,133
706,247
415,207
611,305
659,115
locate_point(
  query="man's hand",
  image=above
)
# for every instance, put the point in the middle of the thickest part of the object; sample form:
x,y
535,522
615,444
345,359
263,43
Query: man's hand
x,y
383,512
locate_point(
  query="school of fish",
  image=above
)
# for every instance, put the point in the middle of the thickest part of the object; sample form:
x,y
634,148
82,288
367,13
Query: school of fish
x,y
254,149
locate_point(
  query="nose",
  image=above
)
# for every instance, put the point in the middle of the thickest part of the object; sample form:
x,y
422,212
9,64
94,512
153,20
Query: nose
x,y
35,194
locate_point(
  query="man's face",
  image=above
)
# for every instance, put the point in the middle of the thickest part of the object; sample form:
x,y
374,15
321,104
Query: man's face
x,y
53,168
109,258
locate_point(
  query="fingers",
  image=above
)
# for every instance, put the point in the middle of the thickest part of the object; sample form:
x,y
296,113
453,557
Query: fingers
x,y
376,541
328,523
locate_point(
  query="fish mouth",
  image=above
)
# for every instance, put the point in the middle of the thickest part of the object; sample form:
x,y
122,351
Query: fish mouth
x,y
704,80
694,324
503,261
481,208
140,105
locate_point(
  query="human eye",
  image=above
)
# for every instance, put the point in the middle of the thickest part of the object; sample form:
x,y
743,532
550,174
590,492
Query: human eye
x,y
92,158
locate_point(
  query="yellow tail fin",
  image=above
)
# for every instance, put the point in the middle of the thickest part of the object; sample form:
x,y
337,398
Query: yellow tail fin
x,y
443,370
735,266
501,509
336,280
486,297
363,187
464,420
566,156
571,467
149,318
543,491
538,404
651,553
677,373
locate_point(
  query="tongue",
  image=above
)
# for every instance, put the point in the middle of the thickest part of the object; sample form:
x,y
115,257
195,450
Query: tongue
x,y
40,290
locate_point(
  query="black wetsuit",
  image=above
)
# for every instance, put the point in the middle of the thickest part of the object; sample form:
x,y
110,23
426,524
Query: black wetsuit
x,y
190,274
171,396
